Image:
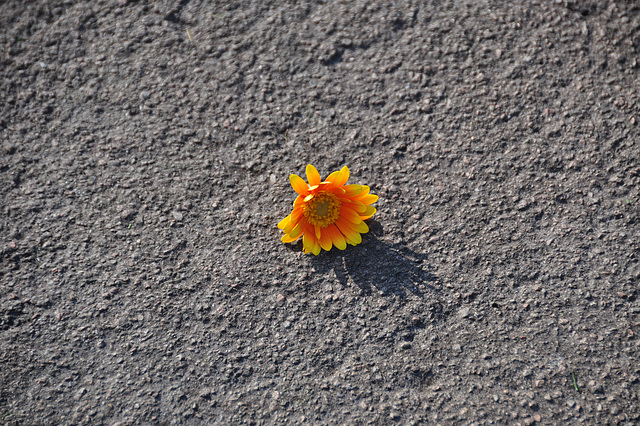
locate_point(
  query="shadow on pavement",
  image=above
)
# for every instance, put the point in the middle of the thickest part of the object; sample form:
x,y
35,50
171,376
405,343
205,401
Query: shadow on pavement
x,y
375,264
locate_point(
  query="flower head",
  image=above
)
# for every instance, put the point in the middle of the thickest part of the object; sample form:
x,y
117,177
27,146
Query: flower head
x,y
327,213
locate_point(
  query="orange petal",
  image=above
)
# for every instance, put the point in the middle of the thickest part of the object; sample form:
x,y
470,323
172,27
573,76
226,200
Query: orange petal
x,y
338,191
357,206
296,214
298,202
343,225
350,215
312,175
325,186
325,240
336,237
346,228
298,184
349,231
317,231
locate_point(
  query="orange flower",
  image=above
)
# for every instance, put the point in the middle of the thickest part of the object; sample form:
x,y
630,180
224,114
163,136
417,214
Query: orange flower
x,y
327,213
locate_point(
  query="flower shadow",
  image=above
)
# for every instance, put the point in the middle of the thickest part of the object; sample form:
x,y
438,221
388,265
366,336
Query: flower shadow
x,y
375,264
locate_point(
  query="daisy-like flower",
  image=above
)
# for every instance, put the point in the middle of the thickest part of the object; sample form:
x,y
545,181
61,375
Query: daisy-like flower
x,y
327,213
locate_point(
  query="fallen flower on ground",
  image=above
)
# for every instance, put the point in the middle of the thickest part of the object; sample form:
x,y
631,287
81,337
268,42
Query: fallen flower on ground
x,y
327,213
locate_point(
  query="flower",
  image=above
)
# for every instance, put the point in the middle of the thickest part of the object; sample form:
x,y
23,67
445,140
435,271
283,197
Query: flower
x,y
327,213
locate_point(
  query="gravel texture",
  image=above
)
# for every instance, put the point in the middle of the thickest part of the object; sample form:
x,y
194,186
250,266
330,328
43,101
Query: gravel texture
x,y
144,161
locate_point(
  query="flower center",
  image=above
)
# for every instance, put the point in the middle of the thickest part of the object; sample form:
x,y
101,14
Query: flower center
x,y
323,209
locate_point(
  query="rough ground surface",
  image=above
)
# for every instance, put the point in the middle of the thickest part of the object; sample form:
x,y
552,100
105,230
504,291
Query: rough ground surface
x,y
145,154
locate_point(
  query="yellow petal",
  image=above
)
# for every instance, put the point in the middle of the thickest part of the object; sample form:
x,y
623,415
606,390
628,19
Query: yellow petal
x,y
353,239
368,199
357,239
288,227
287,238
298,184
334,178
317,231
308,239
316,249
345,175
353,190
350,241
362,228
370,211
365,191
312,175
283,222
297,230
